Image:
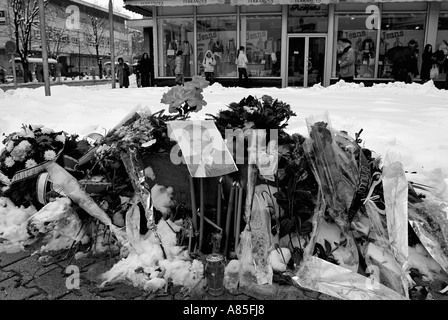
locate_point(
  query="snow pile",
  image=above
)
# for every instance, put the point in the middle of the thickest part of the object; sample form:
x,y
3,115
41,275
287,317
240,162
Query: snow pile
x,y
13,223
231,275
280,260
154,260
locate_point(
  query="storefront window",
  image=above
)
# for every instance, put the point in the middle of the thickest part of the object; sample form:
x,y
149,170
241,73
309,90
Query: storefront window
x,y
261,35
217,34
307,18
442,36
398,30
175,34
353,27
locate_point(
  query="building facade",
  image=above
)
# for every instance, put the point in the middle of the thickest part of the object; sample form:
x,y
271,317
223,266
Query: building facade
x,y
78,36
288,42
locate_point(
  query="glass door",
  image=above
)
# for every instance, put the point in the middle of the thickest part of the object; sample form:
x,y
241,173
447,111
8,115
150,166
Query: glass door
x,y
306,60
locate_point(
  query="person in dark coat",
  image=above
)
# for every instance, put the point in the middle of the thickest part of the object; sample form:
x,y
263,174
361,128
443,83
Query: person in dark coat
x,y
145,69
123,73
404,62
428,60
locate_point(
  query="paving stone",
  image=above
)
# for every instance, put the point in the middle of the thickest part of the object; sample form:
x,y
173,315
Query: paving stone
x,y
38,297
120,291
29,268
5,275
93,272
291,293
73,296
260,292
53,283
9,258
11,290
311,294
324,296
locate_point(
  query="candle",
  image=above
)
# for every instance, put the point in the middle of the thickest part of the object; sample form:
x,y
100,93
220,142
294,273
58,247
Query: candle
x,y
238,217
229,216
201,227
218,214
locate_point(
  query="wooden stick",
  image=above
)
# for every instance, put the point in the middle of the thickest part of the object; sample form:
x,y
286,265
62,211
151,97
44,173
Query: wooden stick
x,y
202,204
211,222
193,204
238,217
219,205
229,216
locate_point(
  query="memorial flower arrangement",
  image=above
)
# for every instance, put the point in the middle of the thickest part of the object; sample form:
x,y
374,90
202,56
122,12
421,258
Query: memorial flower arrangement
x,y
28,148
187,98
254,113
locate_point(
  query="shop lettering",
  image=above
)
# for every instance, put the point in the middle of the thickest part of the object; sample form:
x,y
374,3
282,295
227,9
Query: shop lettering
x,y
356,34
305,8
395,34
207,36
151,3
256,35
195,1
261,1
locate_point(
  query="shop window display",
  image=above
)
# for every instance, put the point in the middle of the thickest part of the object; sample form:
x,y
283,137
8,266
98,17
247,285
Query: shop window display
x,y
398,30
261,35
217,34
363,40
175,34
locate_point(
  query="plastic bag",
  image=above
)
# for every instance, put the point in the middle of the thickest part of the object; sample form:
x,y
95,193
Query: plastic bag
x,y
434,72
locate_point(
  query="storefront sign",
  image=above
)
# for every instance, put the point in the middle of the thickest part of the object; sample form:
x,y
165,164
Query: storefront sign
x,y
305,10
2,17
172,3
277,2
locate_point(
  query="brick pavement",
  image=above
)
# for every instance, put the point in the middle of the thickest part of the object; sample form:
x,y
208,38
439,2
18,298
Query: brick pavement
x,y
23,276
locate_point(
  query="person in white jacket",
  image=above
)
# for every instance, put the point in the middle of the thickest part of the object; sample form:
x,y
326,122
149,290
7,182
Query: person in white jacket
x,y
241,62
209,63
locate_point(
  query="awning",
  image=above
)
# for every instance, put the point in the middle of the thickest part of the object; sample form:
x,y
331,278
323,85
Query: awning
x,y
274,2
35,60
172,3
365,1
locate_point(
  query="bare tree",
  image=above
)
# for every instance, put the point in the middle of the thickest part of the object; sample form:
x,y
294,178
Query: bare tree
x,y
136,43
25,16
98,31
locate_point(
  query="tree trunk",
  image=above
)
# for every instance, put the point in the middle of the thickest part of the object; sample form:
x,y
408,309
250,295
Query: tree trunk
x,y
100,64
26,68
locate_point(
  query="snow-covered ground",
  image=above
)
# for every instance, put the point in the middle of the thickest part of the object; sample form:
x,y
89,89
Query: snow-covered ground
x,y
408,119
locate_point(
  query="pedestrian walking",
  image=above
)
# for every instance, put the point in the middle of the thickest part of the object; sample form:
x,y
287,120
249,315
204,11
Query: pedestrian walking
x,y
347,60
145,70
209,63
123,73
428,60
241,62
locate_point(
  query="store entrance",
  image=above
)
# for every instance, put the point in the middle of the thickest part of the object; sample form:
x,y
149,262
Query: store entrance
x,y
306,60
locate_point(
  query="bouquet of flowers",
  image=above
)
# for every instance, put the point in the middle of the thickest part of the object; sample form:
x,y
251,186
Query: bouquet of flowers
x,y
253,113
26,151
186,98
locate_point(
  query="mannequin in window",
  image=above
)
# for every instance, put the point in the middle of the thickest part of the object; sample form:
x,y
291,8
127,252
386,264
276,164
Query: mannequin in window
x,y
231,50
217,51
170,56
368,50
270,47
187,50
